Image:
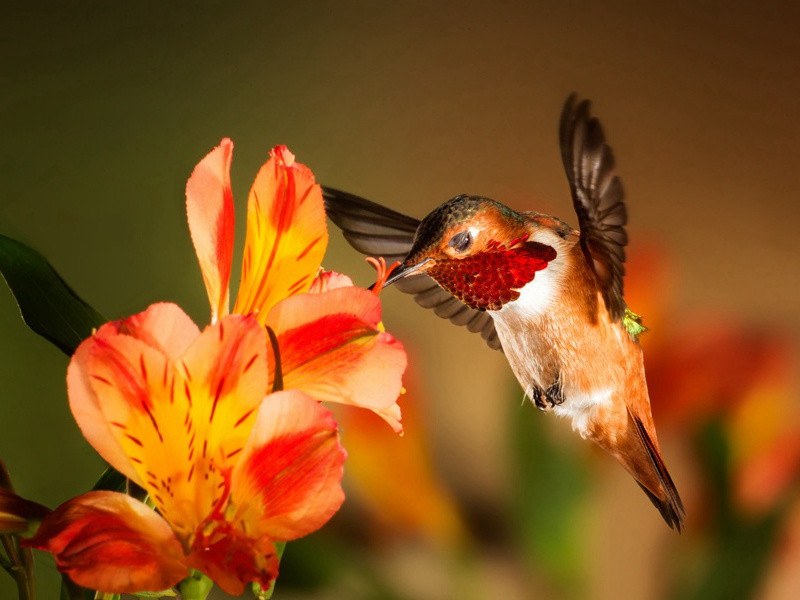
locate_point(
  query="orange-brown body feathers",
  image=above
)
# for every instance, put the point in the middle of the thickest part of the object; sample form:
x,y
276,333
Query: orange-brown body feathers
x,y
549,296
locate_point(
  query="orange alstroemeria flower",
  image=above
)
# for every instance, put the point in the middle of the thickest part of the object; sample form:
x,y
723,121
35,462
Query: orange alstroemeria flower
x,y
331,345
187,415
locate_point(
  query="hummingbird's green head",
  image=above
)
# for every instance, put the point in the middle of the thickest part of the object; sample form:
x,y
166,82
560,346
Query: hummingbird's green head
x,y
477,249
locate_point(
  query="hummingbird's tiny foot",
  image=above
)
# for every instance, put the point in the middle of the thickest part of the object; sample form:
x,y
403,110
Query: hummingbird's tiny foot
x,y
555,395
545,400
536,396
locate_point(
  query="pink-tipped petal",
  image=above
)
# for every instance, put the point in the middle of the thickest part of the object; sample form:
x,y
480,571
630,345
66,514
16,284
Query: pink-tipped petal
x,y
288,481
163,326
329,280
110,542
86,408
209,209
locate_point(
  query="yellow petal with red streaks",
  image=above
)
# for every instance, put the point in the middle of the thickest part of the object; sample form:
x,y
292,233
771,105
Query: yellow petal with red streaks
x,y
181,423
286,234
111,542
333,350
209,209
288,481
227,377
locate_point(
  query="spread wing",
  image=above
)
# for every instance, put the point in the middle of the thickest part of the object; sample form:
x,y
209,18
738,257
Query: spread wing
x,y
598,198
378,231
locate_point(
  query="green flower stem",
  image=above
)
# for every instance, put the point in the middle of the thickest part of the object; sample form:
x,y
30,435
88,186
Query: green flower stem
x,y
21,568
195,587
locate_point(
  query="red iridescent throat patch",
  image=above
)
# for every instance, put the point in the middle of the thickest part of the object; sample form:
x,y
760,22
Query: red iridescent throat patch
x,y
489,279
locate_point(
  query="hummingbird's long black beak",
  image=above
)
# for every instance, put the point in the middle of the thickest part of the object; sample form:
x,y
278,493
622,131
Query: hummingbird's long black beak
x,y
402,271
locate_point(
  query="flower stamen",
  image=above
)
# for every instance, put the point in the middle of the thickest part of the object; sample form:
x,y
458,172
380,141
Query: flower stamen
x,y
383,272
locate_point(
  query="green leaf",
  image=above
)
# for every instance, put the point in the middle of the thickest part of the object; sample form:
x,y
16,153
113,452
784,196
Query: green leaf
x,y
48,305
72,591
111,480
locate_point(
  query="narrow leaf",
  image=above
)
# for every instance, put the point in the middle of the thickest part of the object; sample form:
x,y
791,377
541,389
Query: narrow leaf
x,y
48,305
111,480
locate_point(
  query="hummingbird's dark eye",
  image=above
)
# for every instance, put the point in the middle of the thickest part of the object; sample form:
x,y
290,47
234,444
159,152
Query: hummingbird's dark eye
x,y
461,242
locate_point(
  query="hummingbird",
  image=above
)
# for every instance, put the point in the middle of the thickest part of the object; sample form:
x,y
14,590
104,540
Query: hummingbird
x,y
548,296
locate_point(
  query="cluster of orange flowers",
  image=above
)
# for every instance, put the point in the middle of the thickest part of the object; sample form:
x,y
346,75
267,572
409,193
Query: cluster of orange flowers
x,y
223,427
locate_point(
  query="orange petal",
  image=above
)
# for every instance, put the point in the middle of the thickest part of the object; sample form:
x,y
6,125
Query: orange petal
x,y
288,481
85,405
209,209
110,542
286,234
332,349
163,327
762,479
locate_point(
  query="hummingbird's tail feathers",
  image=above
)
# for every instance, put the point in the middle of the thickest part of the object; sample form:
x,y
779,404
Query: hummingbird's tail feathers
x,y
369,227
672,517
670,505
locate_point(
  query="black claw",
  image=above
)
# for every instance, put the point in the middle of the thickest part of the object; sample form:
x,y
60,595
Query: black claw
x,y
553,396
538,398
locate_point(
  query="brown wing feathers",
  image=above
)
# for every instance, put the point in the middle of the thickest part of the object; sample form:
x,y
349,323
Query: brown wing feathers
x,y
597,195
369,227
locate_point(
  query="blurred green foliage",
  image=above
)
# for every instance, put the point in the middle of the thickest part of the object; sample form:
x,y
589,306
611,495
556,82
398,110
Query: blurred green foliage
x,y
550,501
718,572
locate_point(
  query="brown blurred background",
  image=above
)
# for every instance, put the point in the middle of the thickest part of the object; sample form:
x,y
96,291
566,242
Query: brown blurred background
x,y
106,107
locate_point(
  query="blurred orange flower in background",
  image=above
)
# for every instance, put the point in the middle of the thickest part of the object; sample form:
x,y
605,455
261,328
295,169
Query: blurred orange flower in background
x,y
730,389
711,366
396,478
